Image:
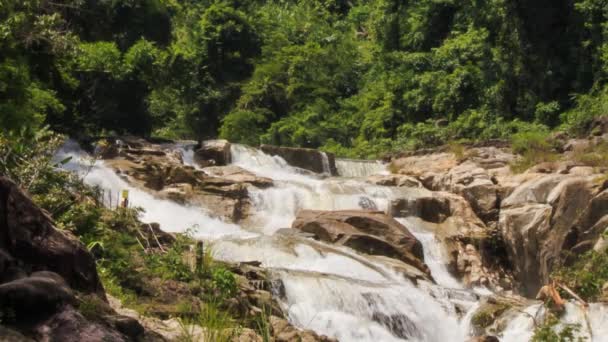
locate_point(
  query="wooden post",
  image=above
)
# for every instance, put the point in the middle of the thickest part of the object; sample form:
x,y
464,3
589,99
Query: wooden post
x,y
199,257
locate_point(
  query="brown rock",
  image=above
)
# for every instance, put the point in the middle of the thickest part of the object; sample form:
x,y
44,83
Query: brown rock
x,y
213,153
370,232
429,208
304,158
539,219
395,180
27,234
285,332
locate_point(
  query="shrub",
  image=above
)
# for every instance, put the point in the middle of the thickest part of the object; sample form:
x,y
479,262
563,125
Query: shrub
x,y
217,324
534,146
224,281
596,156
587,275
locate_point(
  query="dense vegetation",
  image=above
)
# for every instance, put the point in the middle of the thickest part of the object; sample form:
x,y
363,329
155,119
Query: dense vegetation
x,y
147,276
354,77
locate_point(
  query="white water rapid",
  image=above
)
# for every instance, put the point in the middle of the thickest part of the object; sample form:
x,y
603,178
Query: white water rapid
x,y
332,290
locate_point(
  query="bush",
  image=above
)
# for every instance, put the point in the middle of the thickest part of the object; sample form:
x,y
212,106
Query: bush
x,y
588,107
224,281
535,147
587,275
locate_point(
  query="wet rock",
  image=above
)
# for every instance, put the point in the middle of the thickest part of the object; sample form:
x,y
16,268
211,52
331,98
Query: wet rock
x,y
304,158
221,189
233,174
428,208
285,332
470,265
213,153
492,311
27,234
369,232
399,325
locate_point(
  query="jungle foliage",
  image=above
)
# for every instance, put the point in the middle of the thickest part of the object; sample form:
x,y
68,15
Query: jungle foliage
x,y
354,77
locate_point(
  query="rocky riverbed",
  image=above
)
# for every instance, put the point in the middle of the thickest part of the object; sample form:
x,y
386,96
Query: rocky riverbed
x,y
377,255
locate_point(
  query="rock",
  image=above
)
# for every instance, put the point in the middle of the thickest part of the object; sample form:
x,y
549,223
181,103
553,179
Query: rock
x,y
538,221
221,189
470,265
399,325
232,174
588,231
492,311
213,153
247,335
128,326
36,296
428,208
475,184
576,145
425,166
71,326
10,335
599,126
27,234
394,180
370,232
304,158
285,332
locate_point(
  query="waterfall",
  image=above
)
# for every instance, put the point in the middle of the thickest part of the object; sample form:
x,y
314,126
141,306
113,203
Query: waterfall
x,y
325,161
359,168
435,255
332,290
171,216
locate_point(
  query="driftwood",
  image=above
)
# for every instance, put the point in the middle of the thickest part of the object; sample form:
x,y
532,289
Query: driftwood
x,y
574,295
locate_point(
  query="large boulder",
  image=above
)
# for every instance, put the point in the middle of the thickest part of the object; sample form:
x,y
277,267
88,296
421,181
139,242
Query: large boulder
x,y
27,234
370,232
453,221
44,276
304,158
213,153
223,190
539,220
475,184
40,294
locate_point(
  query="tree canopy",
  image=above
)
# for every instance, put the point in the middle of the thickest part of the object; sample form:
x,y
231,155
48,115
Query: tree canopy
x,y
354,77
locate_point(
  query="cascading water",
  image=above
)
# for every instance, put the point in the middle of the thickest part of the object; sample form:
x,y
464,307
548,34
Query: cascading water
x,y
325,161
434,253
187,151
332,290
171,216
